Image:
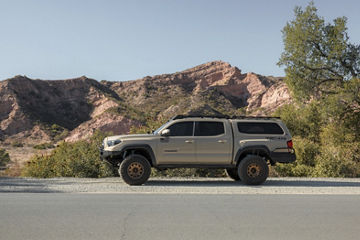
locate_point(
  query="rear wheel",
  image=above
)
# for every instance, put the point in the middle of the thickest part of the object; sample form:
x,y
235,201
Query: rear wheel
x,y
253,170
233,173
135,169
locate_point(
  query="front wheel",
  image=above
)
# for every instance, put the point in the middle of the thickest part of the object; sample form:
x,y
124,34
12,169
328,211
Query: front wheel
x,y
253,170
135,169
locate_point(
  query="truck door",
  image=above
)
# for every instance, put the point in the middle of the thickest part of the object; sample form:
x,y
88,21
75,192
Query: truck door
x,y
179,147
213,142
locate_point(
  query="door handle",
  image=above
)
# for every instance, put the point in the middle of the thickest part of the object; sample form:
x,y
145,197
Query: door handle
x,y
189,141
222,141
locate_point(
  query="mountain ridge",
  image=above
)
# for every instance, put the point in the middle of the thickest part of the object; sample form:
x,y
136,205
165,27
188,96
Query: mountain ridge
x,y
34,111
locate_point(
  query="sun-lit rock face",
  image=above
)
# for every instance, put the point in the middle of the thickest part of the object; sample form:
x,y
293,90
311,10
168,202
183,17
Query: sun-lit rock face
x,y
256,93
28,108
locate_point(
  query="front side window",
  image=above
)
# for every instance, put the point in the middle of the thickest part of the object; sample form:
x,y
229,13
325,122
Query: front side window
x,y
259,128
209,128
181,129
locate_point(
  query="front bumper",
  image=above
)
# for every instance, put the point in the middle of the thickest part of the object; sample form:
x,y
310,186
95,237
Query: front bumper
x,y
106,155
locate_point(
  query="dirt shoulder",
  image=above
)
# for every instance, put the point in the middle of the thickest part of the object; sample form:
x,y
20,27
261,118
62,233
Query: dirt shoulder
x,y
338,186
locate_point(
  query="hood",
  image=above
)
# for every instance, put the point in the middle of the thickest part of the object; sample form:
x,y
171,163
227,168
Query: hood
x,y
128,136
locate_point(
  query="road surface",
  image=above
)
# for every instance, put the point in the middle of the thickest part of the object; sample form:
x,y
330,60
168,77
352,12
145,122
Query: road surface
x,y
178,216
173,209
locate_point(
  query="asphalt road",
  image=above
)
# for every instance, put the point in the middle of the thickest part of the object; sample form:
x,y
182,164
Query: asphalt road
x,y
178,216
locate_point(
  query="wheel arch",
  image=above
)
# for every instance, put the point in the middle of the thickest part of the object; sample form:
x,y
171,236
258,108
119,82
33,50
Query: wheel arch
x,y
258,150
141,149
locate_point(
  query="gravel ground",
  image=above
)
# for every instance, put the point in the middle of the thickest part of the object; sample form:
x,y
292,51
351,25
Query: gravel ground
x,y
338,186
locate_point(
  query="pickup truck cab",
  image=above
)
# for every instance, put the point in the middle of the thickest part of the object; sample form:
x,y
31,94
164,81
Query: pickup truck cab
x,y
243,146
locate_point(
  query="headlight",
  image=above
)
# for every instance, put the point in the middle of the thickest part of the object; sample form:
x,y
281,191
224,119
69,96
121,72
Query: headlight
x,y
113,142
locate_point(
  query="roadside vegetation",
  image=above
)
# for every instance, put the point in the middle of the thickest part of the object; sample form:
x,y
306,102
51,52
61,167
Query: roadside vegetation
x,y
4,158
323,73
79,159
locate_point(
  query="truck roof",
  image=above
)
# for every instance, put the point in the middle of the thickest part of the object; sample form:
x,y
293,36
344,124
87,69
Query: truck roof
x,y
226,117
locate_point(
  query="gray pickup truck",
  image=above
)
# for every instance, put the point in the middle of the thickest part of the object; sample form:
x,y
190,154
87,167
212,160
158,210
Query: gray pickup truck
x,y
243,146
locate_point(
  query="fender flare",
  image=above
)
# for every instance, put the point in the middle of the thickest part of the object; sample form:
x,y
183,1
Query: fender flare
x,y
255,150
145,147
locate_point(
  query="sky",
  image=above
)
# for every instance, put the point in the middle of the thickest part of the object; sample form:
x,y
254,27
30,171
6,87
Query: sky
x,y
126,40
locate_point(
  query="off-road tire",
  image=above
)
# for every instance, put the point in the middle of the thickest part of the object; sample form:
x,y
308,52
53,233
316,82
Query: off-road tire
x,y
232,173
253,170
135,169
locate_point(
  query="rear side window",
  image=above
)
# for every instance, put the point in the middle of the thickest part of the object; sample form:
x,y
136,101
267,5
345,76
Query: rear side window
x,y
259,128
181,129
209,128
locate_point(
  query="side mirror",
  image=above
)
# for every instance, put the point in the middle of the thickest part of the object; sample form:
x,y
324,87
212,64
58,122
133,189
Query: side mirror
x,y
165,133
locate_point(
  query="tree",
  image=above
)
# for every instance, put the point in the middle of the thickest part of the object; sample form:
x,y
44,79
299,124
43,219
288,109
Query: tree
x,y
318,56
323,72
4,158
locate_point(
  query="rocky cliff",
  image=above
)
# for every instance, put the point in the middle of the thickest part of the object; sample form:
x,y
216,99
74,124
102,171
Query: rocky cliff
x,y
36,111
213,86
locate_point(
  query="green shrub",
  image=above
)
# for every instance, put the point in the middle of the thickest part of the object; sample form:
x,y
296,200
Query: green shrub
x,y
79,159
331,164
17,144
57,132
4,158
44,146
292,170
306,152
60,136
304,121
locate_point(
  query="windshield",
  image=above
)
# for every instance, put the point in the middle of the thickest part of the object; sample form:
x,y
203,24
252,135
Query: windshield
x,y
158,130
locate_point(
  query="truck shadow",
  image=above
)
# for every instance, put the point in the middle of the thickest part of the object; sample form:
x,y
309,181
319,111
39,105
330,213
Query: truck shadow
x,y
311,183
21,185
25,185
268,183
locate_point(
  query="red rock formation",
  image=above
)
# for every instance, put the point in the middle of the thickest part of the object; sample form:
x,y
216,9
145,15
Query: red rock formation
x,y
83,105
258,94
